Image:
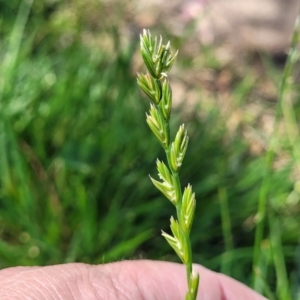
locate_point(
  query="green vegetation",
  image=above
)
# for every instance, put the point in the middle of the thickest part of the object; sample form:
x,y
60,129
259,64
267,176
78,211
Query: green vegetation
x,y
159,60
74,160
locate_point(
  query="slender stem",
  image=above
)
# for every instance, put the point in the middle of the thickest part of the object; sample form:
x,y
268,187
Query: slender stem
x,y
179,203
178,206
282,288
178,187
265,187
226,228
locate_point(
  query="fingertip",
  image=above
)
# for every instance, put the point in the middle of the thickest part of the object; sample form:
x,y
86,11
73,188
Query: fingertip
x,y
146,279
232,289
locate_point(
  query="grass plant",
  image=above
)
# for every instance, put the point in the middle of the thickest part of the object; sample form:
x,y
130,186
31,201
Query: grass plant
x,y
68,138
283,108
159,60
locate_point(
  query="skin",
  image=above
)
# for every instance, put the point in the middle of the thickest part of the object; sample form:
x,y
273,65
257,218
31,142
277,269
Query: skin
x,y
132,280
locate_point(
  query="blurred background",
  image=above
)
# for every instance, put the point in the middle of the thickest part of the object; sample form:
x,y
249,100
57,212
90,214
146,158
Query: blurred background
x,y
75,150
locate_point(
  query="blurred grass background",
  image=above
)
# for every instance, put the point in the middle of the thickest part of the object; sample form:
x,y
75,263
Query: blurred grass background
x,y
75,150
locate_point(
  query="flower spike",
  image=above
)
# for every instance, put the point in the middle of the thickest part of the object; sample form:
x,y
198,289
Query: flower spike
x,y
159,60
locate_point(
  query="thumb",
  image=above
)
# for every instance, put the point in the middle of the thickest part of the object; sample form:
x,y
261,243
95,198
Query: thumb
x,y
134,280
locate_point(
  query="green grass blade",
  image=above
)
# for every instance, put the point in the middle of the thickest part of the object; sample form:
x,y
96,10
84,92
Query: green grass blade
x,y
227,235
